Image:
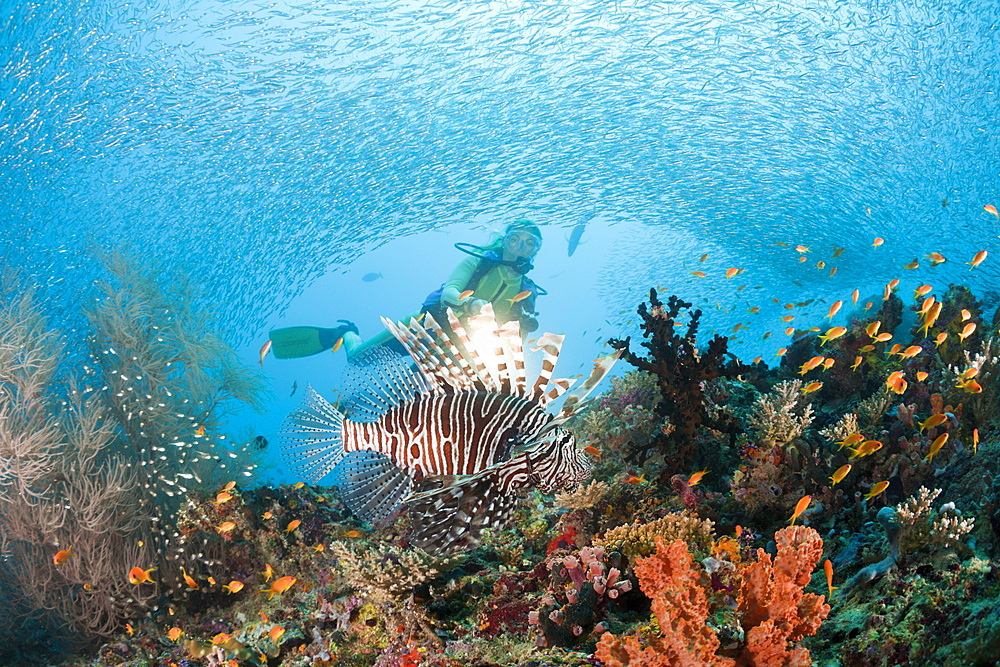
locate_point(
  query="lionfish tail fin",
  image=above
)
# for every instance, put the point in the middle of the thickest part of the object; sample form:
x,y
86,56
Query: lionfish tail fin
x,y
311,437
371,485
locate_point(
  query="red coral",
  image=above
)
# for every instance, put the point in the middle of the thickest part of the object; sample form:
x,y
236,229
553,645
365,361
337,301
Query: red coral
x,y
774,612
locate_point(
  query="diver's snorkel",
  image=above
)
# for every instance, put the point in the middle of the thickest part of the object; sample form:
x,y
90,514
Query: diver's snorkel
x,y
522,264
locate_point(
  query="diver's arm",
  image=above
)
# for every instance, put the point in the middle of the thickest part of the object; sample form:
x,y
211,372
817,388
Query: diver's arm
x,y
458,280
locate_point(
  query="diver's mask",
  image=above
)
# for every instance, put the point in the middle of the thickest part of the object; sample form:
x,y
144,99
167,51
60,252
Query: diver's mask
x,y
524,246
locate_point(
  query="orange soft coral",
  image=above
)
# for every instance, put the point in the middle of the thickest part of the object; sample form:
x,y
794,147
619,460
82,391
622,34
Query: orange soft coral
x,y
773,610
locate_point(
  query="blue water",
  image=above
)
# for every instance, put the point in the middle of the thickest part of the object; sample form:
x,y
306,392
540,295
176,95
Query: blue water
x,y
278,152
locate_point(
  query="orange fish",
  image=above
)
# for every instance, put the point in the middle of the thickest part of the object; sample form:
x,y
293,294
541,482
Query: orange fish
x,y
878,241
915,264
820,264
699,274
866,348
868,305
828,569
264,350
703,258
275,633
466,294
229,486
854,297
841,473
936,258
801,248
129,629
173,634
967,330
803,259
883,337
733,272
977,259
264,617
936,446
211,580
931,317
781,352
268,572
754,310
138,576
865,448
833,272
520,296
292,525
191,583
267,515
837,252
828,363
298,485
809,365
280,586
834,332
857,362
62,556
337,344
872,329
970,386
225,526
911,352
787,318
756,360
975,440
894,349
992,210
926,305
941,337
221,638
800,507
833,309
697,477
877,489
965,314
922,375
896,382
811,387
354,533
932,421
234,586
921,291
635,481
223,497
319,547
199,432
789,331
593,451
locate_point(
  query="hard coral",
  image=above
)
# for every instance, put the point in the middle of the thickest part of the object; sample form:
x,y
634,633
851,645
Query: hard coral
x,y
680,369
634,539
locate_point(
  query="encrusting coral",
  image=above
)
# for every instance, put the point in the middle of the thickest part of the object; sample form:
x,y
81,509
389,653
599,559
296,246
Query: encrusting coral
x,y
772,609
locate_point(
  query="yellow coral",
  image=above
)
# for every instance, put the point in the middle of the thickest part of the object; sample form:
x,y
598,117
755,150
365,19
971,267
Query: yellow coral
x,y
636,539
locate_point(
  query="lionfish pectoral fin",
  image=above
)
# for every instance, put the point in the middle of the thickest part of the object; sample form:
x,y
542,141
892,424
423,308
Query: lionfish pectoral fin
x,y
371,485
453,517
312,436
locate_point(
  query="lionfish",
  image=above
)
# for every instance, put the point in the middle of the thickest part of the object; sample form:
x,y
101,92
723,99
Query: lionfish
x,y
458,415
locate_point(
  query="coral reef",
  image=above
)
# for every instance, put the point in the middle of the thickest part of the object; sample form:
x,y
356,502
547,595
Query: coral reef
x,y
680,369
635,539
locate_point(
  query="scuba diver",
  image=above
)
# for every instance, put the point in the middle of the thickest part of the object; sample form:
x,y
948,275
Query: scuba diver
x,y
495,273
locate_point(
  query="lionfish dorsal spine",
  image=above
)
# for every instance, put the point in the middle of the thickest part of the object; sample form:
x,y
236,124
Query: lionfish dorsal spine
x,y
575,400
550,344
452,367
488,381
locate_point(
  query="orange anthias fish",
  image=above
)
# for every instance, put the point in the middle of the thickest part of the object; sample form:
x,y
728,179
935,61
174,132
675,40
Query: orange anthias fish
x,y
781,352
138,576
866,348
855,295
337,344
292,525
833,309
62,556
896,382
264,350
921,291
977,259
697,477
223,497
883,337
225,526
809,365
828,363
800,507
801,248
894,349
787,318
941,337
837,252
699,274
174,634
932,421
872,329
221,638
992,210
828,569
191,583
268,572
857,362
936,258
970,386
967,330
922,375
931,317
936,446
834,332
911,352
229,486
975,440
635,481
199,432
878,241
466,294
520,296
851,440
841,473
275,633
865,448
593,451
926,305
298,485
233,586
730,273
915,264
280,586
354,533
965,314
877,489
811,387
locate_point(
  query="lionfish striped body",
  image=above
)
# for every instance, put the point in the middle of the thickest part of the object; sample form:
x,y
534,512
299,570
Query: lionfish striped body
x,y
465,419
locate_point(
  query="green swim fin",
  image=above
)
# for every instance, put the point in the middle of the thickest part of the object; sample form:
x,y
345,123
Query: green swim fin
x,y
295,342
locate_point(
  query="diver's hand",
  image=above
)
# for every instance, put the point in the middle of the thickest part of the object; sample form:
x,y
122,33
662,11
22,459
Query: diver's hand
x,y
474,306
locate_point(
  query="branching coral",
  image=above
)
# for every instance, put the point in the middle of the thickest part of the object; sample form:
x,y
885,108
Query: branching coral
x,y
773,610
388,576
680,369
582,497
781,416
923,527
635,539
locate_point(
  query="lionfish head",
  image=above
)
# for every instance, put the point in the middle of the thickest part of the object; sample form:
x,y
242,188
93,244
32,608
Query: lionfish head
x,y
568,464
